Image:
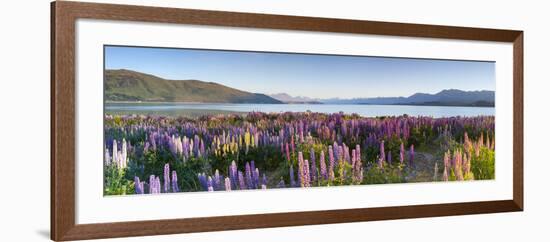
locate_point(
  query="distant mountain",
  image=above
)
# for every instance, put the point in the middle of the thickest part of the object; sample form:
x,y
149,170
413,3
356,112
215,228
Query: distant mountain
x,y
448,97
283,97
127,85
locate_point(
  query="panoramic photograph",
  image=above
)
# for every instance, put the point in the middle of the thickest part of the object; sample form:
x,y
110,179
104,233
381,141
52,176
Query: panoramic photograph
x,y
196,120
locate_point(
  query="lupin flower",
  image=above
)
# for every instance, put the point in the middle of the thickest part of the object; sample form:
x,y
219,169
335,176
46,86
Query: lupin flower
x,y
402,153
382,152
292,181
157,184
146,147
166,177
307,176
227,184
210,184
124,157
107,157
138,186
458,165
313,166
203,181
115,153
323,165
242,183
248,174
175,186
446,165
301,177
331,164
154,185
233,174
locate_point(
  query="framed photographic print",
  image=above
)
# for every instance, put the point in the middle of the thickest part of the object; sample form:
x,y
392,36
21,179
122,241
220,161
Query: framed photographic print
x,y
172,120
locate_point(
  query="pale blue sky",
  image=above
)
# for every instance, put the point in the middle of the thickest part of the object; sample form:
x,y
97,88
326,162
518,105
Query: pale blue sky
x,y
315,76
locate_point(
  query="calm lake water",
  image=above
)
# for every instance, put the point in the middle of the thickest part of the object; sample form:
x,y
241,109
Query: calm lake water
x,y
186,109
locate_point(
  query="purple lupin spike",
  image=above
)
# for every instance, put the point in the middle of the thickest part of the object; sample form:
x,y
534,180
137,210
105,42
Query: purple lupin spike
x,y
175,187
330,163
157,184
138,185
242,183
307,176
166,177
203,181
382,152
292,181
313,166
210,184
402,153
248,174
323,165
202,149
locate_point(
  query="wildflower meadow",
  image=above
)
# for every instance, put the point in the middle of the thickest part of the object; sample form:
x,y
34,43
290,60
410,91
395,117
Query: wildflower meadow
x,y
256,151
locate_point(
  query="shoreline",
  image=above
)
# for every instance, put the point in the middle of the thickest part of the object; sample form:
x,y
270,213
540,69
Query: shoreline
x,y
346,104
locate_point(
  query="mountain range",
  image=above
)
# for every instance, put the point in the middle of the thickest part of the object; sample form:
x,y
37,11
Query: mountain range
x,y
131,86
448,97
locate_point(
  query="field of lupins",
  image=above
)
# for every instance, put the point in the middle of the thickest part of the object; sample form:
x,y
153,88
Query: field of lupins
x,y
161,154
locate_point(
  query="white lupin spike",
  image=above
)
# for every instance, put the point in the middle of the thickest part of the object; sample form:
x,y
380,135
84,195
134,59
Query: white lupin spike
x,y
124,158
115,152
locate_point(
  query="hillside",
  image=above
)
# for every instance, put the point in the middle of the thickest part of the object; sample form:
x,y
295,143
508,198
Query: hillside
x,y
127,85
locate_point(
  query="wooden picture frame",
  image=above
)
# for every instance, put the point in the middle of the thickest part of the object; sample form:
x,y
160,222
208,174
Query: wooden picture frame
x,y
63,18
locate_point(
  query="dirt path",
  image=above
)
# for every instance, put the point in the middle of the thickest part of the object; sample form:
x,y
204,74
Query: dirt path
x,y
424,168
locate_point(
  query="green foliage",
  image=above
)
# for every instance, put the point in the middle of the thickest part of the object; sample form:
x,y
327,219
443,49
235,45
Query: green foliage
x,y
115,182
421,135
483,166
341,171
386,174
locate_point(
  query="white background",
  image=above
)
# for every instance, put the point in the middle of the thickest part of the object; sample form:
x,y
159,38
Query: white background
x,y
24,140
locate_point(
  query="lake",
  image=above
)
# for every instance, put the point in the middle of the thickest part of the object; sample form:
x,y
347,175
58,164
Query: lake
x,y
198,109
